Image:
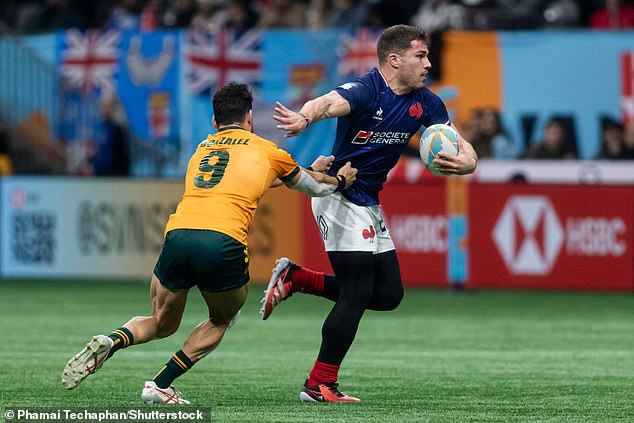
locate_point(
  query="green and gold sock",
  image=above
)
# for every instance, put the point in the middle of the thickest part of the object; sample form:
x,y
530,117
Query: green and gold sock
x,y
178,364
122,338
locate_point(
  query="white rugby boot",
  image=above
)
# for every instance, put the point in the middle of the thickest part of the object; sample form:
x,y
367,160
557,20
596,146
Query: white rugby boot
x,y
152,394
87,361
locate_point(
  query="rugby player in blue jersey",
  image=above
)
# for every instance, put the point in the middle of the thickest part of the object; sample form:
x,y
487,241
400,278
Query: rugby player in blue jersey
x,y
377,115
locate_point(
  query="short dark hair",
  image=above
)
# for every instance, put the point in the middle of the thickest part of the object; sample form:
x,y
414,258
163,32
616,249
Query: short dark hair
x,y
231,103
397,39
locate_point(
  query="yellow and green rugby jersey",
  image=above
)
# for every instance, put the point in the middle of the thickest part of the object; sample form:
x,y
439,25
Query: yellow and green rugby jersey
x,y
226,177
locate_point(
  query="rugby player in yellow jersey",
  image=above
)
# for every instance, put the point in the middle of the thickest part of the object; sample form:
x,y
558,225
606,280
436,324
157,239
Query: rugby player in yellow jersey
x,y
206,242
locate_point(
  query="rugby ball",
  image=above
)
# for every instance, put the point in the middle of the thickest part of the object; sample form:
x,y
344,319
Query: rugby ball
x,y
435,139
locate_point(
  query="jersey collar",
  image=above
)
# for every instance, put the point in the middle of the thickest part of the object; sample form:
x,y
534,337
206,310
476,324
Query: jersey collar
x,y
383,77
226,128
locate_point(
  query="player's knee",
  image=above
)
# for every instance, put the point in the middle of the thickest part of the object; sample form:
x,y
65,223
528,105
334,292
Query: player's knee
x,y
360,301
234,320
392,301
387,301
226,321
166,327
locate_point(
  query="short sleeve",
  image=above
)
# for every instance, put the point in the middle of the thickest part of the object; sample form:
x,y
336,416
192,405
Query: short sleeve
x,y
438,111
283,164
357,93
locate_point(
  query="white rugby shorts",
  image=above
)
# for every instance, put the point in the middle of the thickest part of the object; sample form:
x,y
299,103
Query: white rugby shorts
x,y
345,226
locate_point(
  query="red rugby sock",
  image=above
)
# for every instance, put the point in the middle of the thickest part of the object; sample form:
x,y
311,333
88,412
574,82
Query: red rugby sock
x,y
323,373
308,281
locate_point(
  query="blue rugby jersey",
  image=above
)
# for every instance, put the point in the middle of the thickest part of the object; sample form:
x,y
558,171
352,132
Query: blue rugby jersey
x,y
379,126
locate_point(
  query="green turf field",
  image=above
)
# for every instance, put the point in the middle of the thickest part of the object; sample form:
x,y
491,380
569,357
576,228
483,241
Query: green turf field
x,y
484,356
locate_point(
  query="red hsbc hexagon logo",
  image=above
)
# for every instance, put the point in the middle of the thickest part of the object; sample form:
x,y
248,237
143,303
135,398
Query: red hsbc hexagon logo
x,y
528,234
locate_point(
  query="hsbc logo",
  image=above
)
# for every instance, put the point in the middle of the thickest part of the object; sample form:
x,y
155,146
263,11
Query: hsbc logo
x,y
528,235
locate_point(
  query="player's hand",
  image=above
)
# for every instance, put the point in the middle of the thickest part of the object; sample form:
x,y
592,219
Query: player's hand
x,y
348,172
460,164
322,164
290,121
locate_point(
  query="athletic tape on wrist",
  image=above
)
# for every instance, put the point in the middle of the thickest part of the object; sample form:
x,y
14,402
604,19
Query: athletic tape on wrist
x,y
341,185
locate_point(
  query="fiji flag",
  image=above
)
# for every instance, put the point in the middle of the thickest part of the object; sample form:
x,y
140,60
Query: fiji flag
x,y
299,66
213,60
148,84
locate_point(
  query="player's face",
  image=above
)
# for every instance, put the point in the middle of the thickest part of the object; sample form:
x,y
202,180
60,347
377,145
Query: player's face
x,y
414,65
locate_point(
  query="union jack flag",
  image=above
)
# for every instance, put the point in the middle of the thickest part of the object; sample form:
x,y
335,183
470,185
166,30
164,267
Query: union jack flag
x,y
89,60
218,58
357,52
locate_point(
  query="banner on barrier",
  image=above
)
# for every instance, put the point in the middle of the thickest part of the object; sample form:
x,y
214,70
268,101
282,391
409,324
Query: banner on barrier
x,y
519,236
75,227
559,237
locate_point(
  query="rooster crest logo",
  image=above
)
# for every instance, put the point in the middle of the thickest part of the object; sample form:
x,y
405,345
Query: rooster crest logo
x,y
416,110
379,114
149,71
369,234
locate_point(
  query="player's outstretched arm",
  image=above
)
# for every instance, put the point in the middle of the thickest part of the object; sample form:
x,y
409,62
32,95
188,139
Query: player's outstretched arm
x,y
463,163
317,184
327,106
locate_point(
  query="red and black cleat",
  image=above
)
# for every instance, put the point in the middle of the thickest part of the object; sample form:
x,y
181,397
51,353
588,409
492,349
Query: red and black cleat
x,y
325,392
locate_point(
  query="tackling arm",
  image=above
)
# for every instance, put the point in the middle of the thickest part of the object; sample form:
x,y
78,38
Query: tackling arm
x,y
322,164
317,184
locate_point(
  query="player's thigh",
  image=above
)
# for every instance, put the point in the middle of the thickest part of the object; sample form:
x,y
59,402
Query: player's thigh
x,y
388,284
354,274
224,306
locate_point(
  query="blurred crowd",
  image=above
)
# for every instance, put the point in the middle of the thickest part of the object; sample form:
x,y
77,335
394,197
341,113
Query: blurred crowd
x,y
32,16
486,133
